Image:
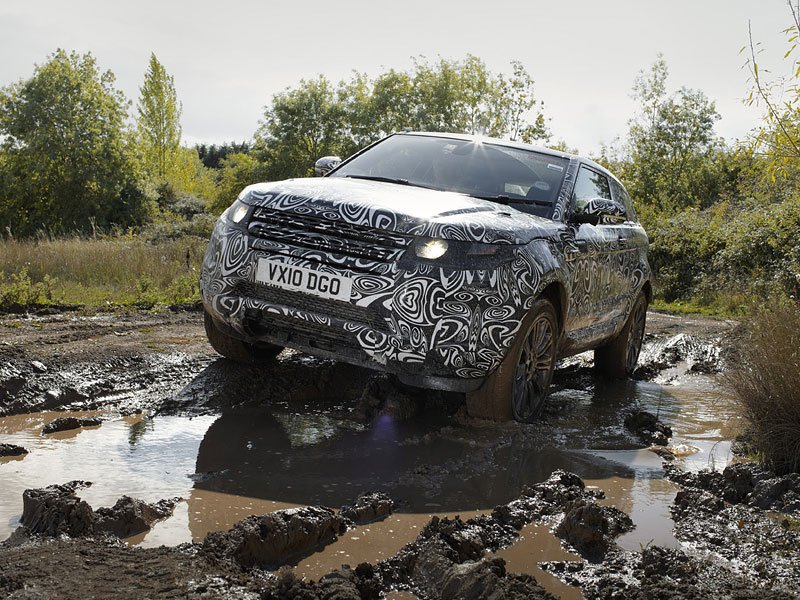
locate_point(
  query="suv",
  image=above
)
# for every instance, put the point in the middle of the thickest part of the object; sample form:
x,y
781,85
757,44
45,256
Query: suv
x,y
454,262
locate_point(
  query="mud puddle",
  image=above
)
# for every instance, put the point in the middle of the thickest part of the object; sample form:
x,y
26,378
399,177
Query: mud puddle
x,y
236,463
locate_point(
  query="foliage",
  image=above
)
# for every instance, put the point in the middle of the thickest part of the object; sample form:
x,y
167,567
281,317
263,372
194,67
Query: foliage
x,y
212,155
65,158
765,383
100,273
779,136
158,124
674,161
319,118
19,292
237,171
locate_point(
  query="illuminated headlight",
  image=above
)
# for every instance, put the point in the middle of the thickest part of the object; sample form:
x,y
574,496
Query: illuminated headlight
x,y
431,249
238,211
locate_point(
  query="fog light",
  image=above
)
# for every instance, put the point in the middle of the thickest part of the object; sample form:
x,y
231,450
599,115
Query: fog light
x,y
432,249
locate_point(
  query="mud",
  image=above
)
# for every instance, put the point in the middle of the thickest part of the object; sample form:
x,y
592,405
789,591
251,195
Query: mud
x,y
12,450
68,423
648,428
264,456
57,511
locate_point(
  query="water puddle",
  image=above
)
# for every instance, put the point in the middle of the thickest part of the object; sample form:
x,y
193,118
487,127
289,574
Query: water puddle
x,y
235,464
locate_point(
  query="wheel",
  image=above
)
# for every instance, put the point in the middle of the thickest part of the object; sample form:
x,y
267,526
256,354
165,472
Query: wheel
x,y
518,387
618,358
235,349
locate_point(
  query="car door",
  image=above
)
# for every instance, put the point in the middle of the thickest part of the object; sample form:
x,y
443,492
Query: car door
x,y
597,287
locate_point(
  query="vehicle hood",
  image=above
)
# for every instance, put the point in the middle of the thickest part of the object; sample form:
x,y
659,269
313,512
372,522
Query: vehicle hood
x,y
401,208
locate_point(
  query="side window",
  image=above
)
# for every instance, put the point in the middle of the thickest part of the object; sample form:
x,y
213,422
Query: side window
x,y
589,185
621,196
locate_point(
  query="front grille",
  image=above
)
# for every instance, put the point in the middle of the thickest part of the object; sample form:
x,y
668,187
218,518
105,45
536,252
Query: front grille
x,y
307,302
321,235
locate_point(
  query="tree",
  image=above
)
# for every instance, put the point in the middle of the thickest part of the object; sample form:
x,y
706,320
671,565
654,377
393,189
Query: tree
x,y
516,101
66,158
300,126
675,160
778,140
159,115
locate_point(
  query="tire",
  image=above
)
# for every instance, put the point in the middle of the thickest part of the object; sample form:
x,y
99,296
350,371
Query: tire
x,y
235,349
618,358
518,387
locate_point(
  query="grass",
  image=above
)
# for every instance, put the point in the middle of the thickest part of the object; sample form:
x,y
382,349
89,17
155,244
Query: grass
x,y
766,384
99,273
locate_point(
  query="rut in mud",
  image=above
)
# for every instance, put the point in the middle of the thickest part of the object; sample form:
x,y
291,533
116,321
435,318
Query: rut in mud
x,y
176,422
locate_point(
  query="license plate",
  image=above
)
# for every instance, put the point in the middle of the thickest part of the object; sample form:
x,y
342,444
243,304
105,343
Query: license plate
x,y
299,279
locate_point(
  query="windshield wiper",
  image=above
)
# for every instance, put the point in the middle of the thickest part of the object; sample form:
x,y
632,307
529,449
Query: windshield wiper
x,y
503,199
379,178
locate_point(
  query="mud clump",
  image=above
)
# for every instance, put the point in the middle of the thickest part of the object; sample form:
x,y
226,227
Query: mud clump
x,y
591,528
368,508
361,583
56,510
12,450
276,538
447,558
661,573
446,561
745,483
646,426
761,547
68,423
130,516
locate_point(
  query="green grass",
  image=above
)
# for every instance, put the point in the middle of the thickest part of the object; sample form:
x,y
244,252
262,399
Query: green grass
x,y
99,274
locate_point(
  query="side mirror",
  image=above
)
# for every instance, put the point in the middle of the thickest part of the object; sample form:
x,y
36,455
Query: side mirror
x,y
598,211
326,164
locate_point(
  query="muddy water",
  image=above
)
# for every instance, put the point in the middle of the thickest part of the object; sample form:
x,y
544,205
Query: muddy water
x,y
231,465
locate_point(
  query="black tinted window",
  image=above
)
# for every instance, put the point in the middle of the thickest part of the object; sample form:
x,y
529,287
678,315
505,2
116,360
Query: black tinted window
x,y
591,184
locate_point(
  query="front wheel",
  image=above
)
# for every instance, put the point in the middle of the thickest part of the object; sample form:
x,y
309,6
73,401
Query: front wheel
x,y
618,358
518,387
235,349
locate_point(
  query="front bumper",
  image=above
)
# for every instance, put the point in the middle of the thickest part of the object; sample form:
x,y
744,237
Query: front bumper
x,y
432,327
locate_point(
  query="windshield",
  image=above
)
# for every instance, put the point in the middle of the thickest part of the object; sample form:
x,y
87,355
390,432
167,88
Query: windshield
x,y
527,180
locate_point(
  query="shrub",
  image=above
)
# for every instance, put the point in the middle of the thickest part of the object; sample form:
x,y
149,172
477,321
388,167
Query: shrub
x,y
21,293
766,384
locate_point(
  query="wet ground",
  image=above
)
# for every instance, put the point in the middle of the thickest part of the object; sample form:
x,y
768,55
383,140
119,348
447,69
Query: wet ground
x,y
175,421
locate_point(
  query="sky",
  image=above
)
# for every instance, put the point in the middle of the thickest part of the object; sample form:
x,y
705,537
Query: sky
x,y
229,58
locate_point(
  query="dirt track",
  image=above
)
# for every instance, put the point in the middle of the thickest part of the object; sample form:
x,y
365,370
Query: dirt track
x,y
309,432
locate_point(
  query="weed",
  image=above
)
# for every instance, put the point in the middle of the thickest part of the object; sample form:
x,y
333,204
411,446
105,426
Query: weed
x,y
766,384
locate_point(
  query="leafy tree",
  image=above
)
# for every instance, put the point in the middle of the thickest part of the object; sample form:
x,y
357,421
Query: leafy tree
x,y
300,126
211,156
237,171
675,160
158,125
778,139
318,118
517,101
65,162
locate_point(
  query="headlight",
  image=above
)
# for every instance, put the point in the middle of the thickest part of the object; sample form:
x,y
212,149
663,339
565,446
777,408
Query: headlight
x,y
431,249
237,211
456,254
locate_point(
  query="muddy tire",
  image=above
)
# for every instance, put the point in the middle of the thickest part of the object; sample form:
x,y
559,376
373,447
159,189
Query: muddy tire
x,y
235,349
618,358
518,387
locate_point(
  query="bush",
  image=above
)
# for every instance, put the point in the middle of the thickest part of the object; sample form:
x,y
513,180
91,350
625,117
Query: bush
x,y
21,293
766,384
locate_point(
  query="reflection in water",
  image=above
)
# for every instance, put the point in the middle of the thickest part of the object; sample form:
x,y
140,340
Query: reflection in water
x,y
236,464
537,544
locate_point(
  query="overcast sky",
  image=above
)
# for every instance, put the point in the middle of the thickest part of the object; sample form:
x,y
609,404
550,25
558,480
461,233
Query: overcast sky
x,y
229,57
